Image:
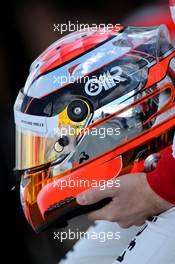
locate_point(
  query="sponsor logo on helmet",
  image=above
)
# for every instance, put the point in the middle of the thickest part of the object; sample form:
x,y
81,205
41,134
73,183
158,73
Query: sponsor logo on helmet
x,y
106,81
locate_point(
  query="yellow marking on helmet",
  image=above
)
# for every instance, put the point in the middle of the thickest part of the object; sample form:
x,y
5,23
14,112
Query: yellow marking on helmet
x,y
65,120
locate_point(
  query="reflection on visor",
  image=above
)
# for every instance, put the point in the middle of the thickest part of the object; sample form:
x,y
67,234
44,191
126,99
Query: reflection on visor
x,y
111,130
33,149
38,146
30,149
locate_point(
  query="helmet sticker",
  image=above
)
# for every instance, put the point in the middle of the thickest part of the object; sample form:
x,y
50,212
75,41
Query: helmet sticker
x,y
108,80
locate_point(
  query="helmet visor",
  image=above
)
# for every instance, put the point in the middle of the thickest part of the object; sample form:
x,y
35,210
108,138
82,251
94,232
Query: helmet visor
x,y
41,139
34,149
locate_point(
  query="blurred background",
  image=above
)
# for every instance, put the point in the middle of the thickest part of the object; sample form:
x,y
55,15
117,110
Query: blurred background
x,y
26,30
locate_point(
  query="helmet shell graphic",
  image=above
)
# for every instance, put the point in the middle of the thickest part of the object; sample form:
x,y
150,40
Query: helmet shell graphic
x,y
95,106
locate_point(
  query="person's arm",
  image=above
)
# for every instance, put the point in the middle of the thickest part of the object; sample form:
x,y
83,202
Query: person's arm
x,y
162,179
139,196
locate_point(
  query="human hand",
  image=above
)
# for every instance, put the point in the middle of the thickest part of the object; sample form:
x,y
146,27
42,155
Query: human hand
x,y
132,203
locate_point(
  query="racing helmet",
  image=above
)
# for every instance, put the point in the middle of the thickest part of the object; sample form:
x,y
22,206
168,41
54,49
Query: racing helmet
x,y
96,105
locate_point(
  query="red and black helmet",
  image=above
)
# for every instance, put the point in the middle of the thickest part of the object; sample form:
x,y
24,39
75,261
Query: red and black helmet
x,y
95,105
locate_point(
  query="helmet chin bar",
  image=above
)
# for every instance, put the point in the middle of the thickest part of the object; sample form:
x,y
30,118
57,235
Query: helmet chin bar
x,y
71,210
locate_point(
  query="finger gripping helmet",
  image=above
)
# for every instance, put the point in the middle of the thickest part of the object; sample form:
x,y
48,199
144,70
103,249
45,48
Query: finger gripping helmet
x,y
95,106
